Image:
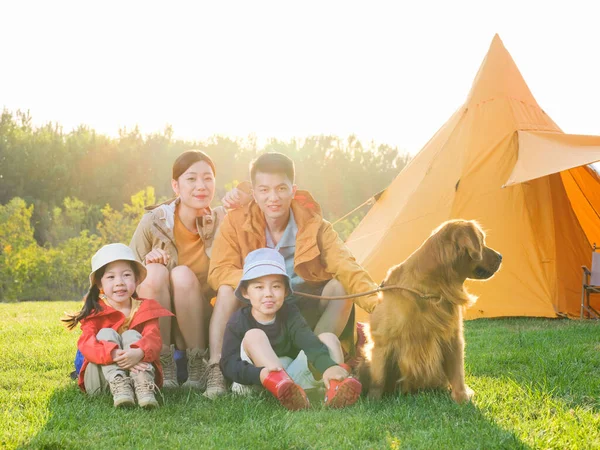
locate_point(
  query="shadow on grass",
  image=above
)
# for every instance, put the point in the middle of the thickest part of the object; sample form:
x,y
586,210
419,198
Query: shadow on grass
x,y
188,420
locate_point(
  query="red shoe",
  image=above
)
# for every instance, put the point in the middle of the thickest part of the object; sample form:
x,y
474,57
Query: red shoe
x,y
343,393
286,391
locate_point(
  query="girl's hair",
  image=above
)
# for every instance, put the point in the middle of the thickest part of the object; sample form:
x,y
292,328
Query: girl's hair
x,y
91,301
186,159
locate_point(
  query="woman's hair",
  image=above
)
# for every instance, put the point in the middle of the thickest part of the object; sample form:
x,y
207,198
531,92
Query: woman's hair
x,y
186,159
91,301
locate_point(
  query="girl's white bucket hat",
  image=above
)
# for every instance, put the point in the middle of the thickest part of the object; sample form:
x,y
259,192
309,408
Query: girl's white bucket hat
x,y
116,252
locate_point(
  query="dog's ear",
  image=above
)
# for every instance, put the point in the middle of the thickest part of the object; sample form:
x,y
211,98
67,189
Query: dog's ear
x,y
469,239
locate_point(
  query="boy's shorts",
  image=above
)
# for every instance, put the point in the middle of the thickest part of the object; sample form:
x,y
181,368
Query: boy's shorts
x,y
296,368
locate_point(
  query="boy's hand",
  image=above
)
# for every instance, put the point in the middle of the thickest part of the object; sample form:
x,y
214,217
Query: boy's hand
x,y
157,255
265,371
129,358
334,373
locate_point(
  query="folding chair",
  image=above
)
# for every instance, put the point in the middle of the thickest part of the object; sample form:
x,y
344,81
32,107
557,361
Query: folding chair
x,y
590,285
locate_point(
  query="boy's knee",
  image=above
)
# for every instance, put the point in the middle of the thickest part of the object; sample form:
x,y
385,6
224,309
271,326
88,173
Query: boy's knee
x,y
108,334
254,335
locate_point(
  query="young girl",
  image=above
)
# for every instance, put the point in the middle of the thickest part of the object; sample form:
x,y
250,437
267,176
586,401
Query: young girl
x,y
262,340
120,339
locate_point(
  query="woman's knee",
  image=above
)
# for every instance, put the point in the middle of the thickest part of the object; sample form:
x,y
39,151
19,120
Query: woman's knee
x,y
157,277
182,277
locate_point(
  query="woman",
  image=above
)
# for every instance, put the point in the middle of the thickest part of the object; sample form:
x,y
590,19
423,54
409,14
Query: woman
x,y
174,242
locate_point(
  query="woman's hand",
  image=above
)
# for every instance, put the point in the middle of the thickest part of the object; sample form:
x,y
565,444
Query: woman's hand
x,y
334,373
158,256
127,359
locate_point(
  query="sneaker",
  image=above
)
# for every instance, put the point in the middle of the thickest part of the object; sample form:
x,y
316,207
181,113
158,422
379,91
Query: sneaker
x,y
143,383
122,392
197,368
167,362
215,382
343,393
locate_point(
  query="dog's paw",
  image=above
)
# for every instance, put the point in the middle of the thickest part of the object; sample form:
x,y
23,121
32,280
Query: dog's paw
x,y
375,394
463,396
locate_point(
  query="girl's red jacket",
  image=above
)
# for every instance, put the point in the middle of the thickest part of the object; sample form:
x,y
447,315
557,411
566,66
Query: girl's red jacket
x,y
145,321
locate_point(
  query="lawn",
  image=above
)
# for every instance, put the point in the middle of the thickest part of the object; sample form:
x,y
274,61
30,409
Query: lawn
x,y
537,385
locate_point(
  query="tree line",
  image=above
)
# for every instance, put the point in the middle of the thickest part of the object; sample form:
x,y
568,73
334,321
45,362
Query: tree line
x,y
64,194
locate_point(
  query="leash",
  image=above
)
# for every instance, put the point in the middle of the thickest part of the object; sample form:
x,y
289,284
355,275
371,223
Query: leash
x,y
373,291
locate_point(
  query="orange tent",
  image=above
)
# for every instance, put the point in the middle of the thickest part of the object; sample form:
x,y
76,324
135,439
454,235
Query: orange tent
x,y
501,161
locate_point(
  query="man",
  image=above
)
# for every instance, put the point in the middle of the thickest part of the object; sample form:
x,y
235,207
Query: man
x,y
317,261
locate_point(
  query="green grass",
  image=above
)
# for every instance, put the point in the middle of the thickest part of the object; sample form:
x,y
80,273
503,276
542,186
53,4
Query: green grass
x,y
537,385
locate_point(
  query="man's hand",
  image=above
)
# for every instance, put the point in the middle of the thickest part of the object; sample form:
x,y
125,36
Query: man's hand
x,y
334,373
127,359
157,255
236,198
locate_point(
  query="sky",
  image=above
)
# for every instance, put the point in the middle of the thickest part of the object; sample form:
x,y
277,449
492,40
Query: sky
x,y
388,71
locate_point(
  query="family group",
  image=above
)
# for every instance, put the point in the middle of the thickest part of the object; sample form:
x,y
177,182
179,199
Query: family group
x,y
221,288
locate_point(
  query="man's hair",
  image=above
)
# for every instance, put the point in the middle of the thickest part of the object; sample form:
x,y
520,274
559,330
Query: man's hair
x,y
273,163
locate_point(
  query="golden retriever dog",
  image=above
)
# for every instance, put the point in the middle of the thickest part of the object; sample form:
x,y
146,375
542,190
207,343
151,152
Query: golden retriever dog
x,y
417,331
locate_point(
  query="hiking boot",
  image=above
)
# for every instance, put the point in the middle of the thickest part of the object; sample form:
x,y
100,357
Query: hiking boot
x,y
215,382
197,368
167,362
143,383
121,390
343,393
289,394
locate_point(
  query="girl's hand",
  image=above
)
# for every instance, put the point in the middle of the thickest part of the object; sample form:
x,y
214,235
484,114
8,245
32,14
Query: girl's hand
x,y
264,373
129,358
158,256
140,367
334,373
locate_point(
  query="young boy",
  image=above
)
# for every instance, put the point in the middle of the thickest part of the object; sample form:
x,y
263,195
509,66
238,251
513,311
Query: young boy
x,y
262,340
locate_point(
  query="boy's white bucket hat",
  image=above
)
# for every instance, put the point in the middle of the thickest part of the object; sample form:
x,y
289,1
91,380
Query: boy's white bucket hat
x,y
262,262
115,252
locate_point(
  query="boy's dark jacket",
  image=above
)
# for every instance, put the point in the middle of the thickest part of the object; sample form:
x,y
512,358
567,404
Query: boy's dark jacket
x,y
288,335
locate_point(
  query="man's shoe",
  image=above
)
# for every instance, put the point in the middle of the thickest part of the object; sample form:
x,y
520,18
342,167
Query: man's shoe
x,y
215,382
